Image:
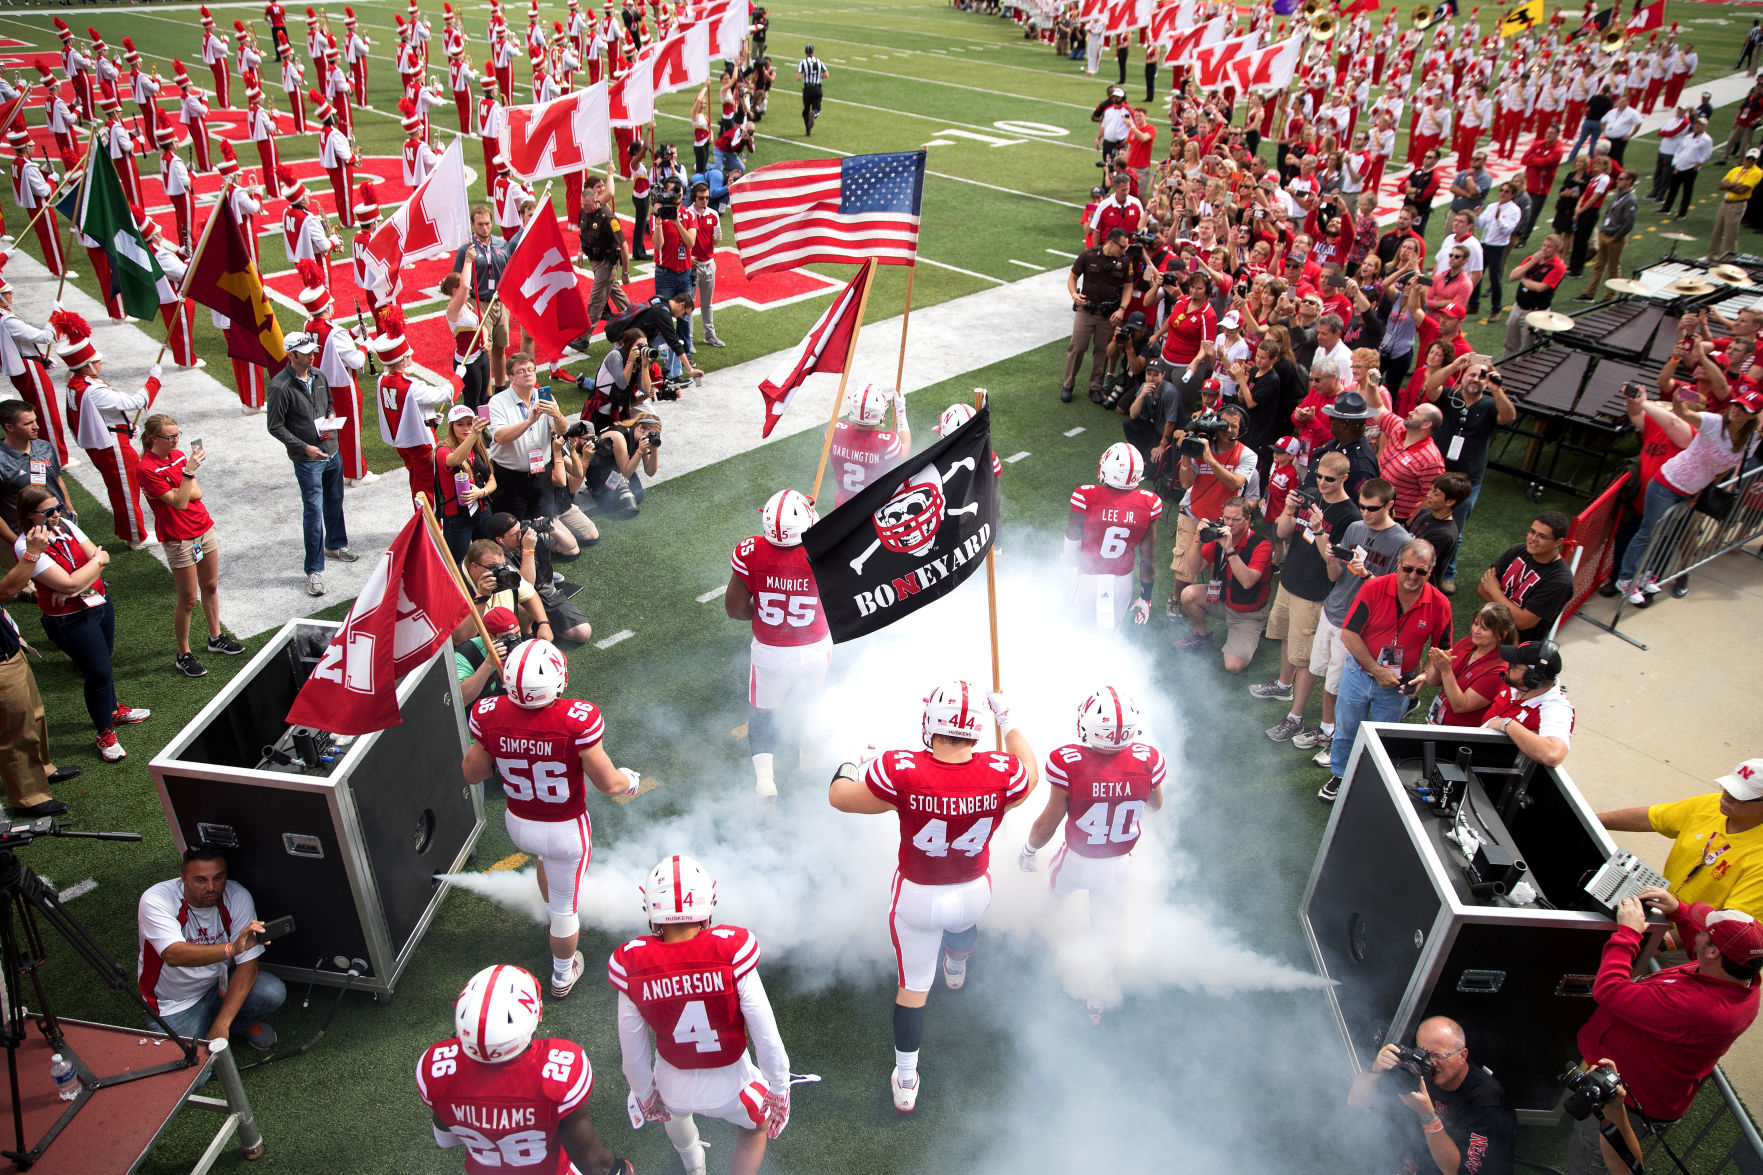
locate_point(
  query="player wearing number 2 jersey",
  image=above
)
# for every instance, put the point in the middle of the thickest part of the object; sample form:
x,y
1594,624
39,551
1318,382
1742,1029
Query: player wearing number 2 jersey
x,y
546,749
1108,523
949,799
773,587
698,989
861,449
511,1101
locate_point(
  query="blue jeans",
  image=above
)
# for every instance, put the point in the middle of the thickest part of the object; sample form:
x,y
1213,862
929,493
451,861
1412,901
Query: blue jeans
x,y
87,636
266,995
1589,130
1361,698
1659,500
321,508
1460,513
729,162
667,284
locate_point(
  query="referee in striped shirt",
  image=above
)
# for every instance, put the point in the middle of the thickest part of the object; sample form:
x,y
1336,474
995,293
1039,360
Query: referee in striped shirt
x,y
812,70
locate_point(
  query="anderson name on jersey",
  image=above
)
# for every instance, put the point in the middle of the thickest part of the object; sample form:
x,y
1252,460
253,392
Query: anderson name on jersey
x,y
538,753
507,1115
948,811
688,993
1114,524
1105,795
786,601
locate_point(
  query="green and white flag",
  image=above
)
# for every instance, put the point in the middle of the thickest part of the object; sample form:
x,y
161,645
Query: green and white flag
x,y
103,215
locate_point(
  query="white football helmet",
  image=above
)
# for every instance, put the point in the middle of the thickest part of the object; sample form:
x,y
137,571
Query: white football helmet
x,y
908,521
953,417
679,890
785,516
497,1014
535,674
953,709
1122,466
1108,720
868,405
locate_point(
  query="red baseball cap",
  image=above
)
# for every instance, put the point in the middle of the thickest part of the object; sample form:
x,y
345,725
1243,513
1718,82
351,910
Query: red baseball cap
x,y
1735,932
1749,398
501,621
1454,311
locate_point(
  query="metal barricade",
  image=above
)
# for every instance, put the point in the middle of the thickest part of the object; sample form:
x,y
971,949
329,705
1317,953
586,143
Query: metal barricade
x,y
1685,538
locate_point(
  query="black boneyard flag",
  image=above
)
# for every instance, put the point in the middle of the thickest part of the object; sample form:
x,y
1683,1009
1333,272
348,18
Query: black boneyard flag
x,y
909,538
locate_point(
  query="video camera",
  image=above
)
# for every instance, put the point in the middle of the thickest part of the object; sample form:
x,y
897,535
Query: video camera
x,y
1589,1089
1206,428
1135,248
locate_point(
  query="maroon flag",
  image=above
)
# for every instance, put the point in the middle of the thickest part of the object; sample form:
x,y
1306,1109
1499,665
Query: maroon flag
x,y
824,349
225,279
408,609
541,288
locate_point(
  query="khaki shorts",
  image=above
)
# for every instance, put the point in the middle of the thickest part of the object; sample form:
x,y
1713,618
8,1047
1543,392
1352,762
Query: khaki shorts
x,y
1242,630
1186,562
1293,620
182,552
496,324
1328,656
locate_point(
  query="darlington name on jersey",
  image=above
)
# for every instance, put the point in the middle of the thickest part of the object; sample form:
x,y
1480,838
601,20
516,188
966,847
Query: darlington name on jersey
x,y
886,595
691,983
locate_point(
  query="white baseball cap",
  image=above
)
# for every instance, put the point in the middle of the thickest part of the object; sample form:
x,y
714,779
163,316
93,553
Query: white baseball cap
x,y
1745,782
1230,321
300,343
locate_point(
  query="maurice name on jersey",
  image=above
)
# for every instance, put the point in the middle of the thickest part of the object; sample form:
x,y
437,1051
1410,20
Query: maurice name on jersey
x,y
669,987
934,570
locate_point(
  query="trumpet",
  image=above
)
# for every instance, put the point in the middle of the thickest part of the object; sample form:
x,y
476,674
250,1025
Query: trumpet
x,y
1325,27
1424,16
1612,41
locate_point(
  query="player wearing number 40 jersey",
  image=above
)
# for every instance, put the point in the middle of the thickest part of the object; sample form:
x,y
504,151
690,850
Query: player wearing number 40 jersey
x,y
697,988
546,749
772,586
1109,522
949,799
512,1101
861,449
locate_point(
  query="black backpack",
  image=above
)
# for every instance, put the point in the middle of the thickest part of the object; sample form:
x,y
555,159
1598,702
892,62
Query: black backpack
x,y
617,325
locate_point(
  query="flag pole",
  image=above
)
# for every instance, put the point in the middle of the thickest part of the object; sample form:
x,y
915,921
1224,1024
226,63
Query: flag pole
x,y
195,256
905,321
496,296
47,205
477,617
826,445
979,401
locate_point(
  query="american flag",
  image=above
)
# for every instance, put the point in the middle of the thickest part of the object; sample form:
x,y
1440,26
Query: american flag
x,y
851,209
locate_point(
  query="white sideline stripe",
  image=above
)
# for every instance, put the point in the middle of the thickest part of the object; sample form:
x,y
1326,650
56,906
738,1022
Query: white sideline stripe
x,y
711,595
78,889
1015,457
624,634
1028,265
1062,253
1071,432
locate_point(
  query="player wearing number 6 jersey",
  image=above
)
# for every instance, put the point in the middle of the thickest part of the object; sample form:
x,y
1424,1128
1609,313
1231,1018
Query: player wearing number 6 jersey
x,y
861,449
773,586
1108,523
510,1100
698,989
546,749
949,799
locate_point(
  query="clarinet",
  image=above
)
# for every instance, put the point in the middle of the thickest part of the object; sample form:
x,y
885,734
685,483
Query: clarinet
x,y
360,325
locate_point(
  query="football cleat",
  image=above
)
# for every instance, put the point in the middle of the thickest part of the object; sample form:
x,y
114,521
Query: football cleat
x,y
679,890
905,1096
497,1014
1122,466
561,989
954,977
1108,720
536,674
1094,1011
785,516
867,406
952,709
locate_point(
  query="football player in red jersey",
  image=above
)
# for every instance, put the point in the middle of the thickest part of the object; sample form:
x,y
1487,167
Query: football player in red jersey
x,y
773,587
508,1099
949,798
861,449
698,988
1108,523
1100,787
546,748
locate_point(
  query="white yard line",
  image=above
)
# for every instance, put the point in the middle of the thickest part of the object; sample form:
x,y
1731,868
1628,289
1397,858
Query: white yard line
x,y
712,594
621,635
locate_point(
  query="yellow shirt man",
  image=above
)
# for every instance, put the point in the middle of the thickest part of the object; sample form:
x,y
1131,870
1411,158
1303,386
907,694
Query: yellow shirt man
x,y
1744,180
1707,863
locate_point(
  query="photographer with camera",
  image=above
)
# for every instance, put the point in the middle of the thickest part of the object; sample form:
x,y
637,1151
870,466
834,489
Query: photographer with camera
x,y
523,417
1466,1122
1238,594
674,274
472,664
524,545
1473,410
1102,272
571,528
25,766
659,321
494,584
1128,352
1665,1031
1215,467
624,378
622,454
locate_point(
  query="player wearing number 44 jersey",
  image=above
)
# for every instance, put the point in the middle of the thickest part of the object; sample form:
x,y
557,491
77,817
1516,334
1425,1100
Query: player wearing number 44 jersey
x,y
546,749
861,449
698,989
1108,523
949,799
512,1101
773,586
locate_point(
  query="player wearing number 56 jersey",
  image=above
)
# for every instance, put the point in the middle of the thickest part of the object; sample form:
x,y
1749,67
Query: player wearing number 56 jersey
x,y
1108,524
861,449
698,990
546,749
508,1099
772,586
949,799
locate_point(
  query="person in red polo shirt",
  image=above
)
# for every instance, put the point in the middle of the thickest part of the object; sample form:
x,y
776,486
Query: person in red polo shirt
x,y
1120,210
1392,621
1410,458
1541,163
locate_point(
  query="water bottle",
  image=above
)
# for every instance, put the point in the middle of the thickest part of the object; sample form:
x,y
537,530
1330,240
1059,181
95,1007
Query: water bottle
x,y
66,1084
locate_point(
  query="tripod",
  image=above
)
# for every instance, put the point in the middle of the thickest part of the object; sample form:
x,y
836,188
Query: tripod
x,y
24,898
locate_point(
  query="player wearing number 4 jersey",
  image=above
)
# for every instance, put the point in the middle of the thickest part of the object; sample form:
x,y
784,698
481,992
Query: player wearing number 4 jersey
x,y
949,799
546,749
773,586
1108,523
1100,787
698,989
512,1101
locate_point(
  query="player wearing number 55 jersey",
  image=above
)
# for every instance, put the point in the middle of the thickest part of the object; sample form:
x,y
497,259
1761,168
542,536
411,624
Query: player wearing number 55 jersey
x,y
546,749
861,449
773,586
510,1100
698,989
1108,523
949,799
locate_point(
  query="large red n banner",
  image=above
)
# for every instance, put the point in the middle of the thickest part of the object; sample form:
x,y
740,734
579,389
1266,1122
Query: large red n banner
x,y
1171,17
432,223
560,137
1182,42
408,609
1238,63
630,100
1124,15
541,289
728,25
682,61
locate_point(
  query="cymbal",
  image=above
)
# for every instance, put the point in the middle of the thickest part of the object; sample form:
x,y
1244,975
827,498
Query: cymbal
x,y
1732,275
1627,285
1548,320
1690,285
1676,237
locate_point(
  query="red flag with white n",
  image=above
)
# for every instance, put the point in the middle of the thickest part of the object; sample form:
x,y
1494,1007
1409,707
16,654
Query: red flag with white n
x,y
825,348
409,608
541,288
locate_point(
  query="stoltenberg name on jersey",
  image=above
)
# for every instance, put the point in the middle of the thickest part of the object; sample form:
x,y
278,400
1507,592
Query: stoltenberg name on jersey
x,y
954,805
691,983
931,571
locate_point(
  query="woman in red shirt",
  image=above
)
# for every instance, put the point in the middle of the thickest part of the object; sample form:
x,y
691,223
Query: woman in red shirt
x,y
168,479
1468,676
464,480
1192,325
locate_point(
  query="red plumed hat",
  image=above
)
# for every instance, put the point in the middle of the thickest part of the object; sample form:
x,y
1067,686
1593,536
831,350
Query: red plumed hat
x,y
391,345
76,348
314,293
